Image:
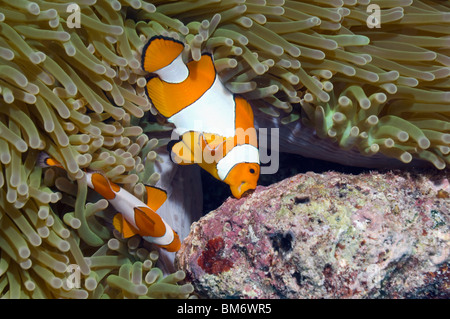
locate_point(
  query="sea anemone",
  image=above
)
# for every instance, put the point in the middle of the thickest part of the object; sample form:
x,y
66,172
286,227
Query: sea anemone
x,y
77,93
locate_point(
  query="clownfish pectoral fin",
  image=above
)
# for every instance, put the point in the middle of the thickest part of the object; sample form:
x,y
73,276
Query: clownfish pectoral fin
x,y
211,142
149,222
182,154
123,226
155,197
212,146
159,52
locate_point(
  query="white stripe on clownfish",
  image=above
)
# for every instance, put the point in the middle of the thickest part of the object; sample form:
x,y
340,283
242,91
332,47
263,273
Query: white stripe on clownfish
x,y
175,72
134,217
214,112
244,153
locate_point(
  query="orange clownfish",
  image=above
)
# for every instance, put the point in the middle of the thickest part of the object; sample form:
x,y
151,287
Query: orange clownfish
x,y
216,127
134,217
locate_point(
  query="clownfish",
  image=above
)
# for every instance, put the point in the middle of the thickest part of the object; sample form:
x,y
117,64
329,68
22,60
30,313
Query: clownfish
x,y
134,217
216,127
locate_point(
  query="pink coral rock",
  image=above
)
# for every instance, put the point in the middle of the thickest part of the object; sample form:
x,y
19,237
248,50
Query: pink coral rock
x,y
332,235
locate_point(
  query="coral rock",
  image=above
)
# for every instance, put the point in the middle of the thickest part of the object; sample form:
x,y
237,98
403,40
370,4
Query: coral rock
x,y
328,235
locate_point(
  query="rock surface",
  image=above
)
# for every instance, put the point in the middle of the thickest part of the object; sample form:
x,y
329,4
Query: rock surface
x,y
327,235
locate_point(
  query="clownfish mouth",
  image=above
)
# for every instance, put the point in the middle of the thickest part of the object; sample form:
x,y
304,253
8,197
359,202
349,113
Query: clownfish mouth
x,y
248,192
244,189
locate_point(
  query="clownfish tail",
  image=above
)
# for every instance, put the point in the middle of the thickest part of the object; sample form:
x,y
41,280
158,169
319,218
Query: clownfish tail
x,y
159,52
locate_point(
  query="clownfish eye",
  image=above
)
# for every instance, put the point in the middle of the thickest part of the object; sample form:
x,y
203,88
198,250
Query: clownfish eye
x,y
252,171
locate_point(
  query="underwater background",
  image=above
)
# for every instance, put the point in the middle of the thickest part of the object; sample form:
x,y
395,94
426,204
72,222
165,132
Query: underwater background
x,y
344,82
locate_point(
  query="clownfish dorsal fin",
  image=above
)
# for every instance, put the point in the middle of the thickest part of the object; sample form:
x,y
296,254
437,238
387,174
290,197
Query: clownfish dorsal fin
x,y
245,130
155,197
159,52
123,226
244,113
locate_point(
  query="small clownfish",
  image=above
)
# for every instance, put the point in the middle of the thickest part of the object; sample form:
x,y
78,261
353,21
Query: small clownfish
x,y
134,217
216,127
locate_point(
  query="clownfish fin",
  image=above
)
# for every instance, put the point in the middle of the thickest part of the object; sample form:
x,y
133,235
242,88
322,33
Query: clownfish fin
x,y
44,160
245,130
244,113
149,222
212,141
171,98
181,154
155,197
213,144
123,226
104,186
159,52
